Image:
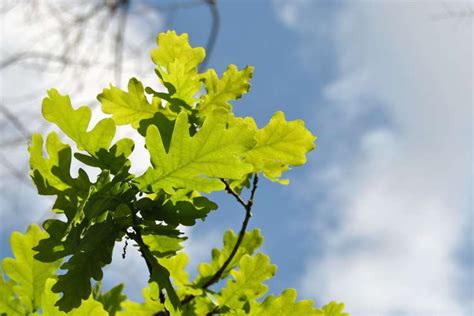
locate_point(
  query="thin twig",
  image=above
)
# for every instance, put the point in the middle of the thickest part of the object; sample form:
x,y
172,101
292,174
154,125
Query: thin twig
x,y
13,170
248,214
150,260
211,41
47,57
15,121
119,39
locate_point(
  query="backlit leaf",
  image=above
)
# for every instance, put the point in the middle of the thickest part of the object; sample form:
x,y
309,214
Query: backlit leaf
x,y
9,303
88,307
284,305
196,163
334,309
252,241
177,64
147,308
172,47
57,109
128,107
231,86
59,160
248,281
27,274
280,144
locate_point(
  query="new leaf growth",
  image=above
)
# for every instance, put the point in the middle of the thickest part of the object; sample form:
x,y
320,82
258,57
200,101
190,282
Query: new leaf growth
x,y
197,146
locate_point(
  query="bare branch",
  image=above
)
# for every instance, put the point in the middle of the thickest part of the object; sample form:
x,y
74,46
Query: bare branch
x,y
211,41
15,121
119,38
248,214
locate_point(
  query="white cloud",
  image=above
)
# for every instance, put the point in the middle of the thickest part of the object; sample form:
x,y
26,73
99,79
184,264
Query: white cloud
x,y
199,246
21,30
401,200
16,211
22,87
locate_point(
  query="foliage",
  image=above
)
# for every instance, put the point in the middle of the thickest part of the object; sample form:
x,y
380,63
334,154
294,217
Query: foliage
x,y
196,146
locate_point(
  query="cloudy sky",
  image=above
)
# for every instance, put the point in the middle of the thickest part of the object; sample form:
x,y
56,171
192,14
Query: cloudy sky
x,y
381,216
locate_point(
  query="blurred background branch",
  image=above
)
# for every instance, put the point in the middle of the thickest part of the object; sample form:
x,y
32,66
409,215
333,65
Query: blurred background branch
x,y
68,44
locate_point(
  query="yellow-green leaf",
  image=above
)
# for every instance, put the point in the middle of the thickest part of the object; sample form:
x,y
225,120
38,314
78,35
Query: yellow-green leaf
x,y
147,308
334,309
87,307
128,107
231,86
162,245
9,303
248,281
57,109
59,157
252,240
280,144
177,64
284,305
197,162
28,275
186,83
172,47
176,265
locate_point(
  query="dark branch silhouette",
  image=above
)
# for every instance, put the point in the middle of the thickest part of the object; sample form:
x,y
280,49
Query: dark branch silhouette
x,y
247,205
75,43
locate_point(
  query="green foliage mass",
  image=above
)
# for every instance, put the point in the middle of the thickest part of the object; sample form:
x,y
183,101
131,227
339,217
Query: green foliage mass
x,y
197,146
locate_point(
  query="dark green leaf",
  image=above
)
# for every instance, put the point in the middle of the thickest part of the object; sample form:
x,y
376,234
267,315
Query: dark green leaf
x,y
180,213
112,299
92,254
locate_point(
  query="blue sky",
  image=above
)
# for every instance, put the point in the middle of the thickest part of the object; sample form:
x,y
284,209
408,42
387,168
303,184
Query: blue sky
x,y
381,216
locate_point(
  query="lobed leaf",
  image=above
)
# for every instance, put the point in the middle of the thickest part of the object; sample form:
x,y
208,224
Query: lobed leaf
x,y
92,253
128,107
252,241
280,144
57,109
177,64
284,305
183,212
27,275
88,307
52,174
162,245
176,266
182,83
9,303
334,309
112,299
196,162
248,281
164,125
147,308
114,159
172,47
231,86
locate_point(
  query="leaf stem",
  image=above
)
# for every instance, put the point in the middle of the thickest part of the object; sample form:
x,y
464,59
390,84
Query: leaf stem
x,y
150,260
138,238
248,214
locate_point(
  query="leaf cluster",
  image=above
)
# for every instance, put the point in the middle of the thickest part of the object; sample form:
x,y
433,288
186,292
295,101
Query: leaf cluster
x,y
196,146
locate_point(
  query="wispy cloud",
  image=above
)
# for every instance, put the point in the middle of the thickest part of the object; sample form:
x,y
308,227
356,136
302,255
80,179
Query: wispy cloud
x,y
401,202
29,28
